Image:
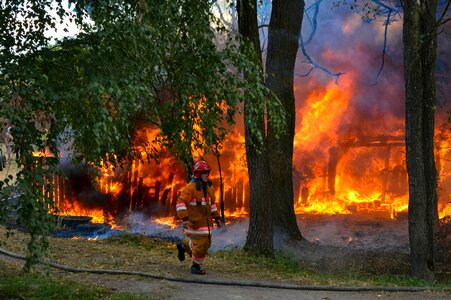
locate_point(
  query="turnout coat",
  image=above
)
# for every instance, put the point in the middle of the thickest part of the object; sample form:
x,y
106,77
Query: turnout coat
x,y
197,206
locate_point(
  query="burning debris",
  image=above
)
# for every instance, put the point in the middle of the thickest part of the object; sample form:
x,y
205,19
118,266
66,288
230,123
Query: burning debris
x,y
75,226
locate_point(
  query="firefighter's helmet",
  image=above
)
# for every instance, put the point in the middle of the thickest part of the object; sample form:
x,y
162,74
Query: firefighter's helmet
x,y
201,167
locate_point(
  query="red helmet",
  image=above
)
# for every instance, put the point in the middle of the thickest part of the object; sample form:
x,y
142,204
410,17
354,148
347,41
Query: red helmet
x,y
200,167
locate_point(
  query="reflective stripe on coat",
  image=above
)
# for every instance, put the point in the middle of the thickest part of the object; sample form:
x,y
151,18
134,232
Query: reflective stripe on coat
x,y
199,210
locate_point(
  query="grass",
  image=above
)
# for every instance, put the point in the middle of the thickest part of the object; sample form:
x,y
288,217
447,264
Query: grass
x,y
152,255
286,268
237,263
18,285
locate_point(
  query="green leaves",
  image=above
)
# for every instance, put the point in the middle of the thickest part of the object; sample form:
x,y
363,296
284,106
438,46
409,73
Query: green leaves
x,y
133,62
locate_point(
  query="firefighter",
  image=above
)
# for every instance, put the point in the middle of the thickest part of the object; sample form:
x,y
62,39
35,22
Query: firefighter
x,y
196,207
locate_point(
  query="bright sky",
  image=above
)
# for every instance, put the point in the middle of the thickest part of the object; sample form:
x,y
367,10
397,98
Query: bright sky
x,y
59,32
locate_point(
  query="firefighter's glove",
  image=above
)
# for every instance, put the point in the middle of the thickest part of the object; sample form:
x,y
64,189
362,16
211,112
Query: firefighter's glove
x,y
218,223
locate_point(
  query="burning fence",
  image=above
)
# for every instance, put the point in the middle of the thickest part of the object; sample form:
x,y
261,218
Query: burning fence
x,y
144,186
355,175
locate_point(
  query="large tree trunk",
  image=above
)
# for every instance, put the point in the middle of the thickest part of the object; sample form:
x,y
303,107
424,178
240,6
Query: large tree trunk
x,y
420,47
283,43
259,236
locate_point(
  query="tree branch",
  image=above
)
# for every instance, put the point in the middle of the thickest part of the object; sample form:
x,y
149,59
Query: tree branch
x,y
221,14
389,11
384,49
312,21
315,65
442,19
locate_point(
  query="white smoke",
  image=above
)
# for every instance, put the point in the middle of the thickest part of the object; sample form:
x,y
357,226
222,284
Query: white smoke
x,y
228,237
348,231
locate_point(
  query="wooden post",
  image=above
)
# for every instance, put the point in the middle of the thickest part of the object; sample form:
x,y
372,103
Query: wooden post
x,y
385,174
239,194
175,193
170,191
228,200
332,169
165,201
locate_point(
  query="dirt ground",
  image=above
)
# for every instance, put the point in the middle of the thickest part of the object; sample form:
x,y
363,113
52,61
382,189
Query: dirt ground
x,y
164,289
176,290
82,253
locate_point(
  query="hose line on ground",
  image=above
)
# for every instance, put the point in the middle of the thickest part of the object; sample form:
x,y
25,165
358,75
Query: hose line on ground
x,y
243,283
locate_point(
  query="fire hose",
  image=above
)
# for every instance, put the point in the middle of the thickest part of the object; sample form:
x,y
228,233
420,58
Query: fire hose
x,y
241,283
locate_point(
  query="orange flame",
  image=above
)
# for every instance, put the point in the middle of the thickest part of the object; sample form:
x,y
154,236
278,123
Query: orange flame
x,y
361,172
168,221
75,209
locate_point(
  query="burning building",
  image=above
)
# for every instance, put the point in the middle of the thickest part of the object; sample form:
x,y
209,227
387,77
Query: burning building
x,y
349,149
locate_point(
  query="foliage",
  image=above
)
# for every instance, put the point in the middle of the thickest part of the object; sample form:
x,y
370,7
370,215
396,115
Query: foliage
x,y
133,62
370,10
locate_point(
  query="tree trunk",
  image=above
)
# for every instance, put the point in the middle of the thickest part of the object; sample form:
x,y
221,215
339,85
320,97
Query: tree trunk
x,y
259,236
283,43
420,48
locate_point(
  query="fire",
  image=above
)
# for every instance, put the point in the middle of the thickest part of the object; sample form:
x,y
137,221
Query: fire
x,y
107,183
361,171
168,221
446,211
75,209
317,116
443,158
239,213
44,153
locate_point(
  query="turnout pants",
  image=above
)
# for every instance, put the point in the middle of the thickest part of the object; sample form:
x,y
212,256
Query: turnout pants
x,y
197,247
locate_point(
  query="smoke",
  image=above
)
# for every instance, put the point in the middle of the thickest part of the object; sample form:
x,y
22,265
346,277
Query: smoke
x,y
140,223
343,42
231,236
354,232
81,188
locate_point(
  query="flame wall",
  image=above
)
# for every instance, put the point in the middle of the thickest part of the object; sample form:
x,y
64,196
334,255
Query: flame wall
x,y
349,154
349,149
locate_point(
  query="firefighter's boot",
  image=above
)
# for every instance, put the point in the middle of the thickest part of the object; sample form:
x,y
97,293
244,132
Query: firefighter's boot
x,y
181,252
196,269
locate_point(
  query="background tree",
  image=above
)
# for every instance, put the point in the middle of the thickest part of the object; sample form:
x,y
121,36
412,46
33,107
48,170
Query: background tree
x,y
283,43
259,236
420,51
420,25
270,166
